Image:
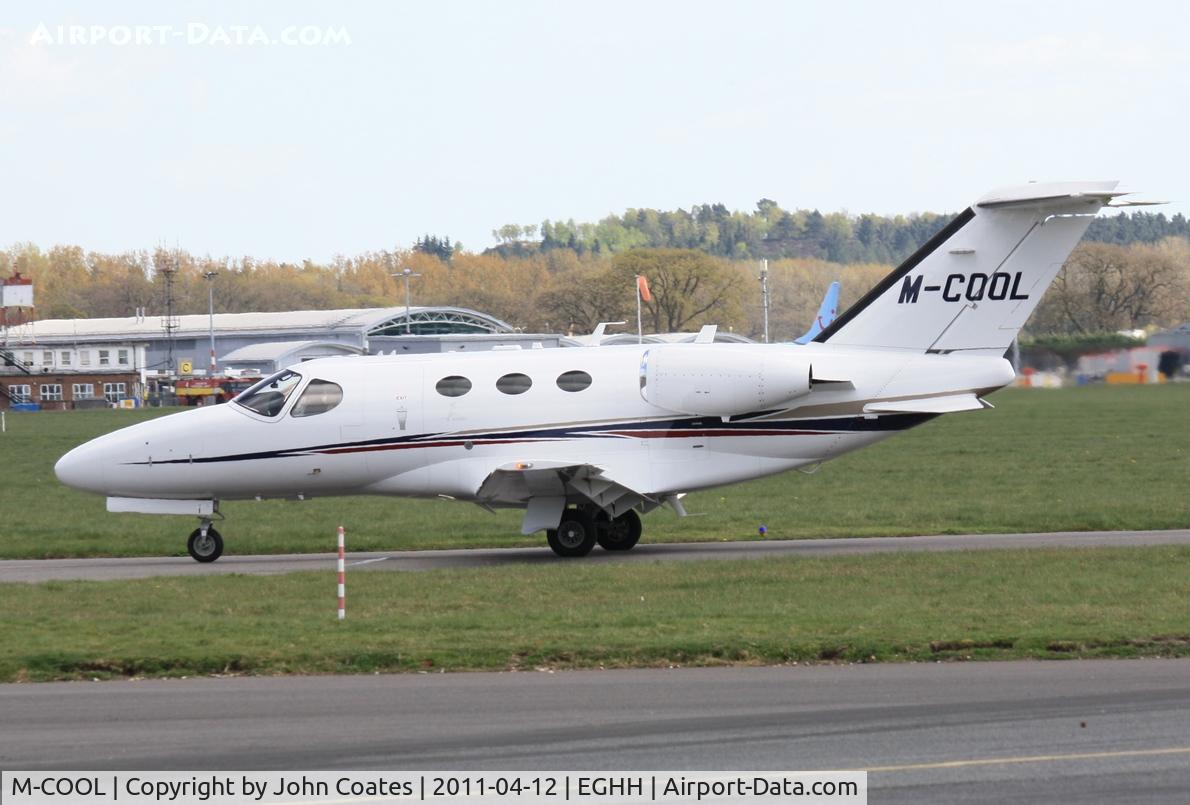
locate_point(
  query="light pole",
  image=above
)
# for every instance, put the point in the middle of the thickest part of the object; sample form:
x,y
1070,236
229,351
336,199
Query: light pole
x,y
406,274
764,295
209,276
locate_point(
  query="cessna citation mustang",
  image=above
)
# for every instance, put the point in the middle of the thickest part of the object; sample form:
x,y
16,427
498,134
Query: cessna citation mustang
x,y
587,439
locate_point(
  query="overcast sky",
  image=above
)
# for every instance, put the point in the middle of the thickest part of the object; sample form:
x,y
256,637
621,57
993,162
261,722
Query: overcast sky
x,y
455,118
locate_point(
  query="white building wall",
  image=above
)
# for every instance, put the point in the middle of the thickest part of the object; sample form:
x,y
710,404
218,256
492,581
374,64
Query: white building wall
x,y
92,357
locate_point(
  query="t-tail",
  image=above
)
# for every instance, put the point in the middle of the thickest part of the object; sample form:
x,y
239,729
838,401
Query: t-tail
x,y
826,314
972,286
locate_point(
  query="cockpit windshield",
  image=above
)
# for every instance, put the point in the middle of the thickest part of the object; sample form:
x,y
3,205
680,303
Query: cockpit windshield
x,y
268,397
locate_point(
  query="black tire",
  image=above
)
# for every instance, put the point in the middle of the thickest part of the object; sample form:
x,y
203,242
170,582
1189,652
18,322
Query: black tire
x,y
205,550
574,536
621,533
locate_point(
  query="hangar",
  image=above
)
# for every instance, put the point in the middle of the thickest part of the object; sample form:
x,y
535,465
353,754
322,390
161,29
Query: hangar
x,y
126,356
181,344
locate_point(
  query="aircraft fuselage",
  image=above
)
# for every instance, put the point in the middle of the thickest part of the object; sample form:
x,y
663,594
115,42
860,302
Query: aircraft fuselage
x,y
587,439
393,433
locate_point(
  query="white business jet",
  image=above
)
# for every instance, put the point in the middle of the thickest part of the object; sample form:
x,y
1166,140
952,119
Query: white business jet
x,y
586,440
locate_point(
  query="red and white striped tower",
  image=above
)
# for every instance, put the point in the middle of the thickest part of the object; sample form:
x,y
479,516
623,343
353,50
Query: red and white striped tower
x,y
342,581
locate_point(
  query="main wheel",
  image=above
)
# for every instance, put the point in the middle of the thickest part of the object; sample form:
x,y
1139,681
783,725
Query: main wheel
x,y
620,533
205,549
575,534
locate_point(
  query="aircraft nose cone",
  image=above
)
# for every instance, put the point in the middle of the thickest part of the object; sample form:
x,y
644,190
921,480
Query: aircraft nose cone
x,y
82,468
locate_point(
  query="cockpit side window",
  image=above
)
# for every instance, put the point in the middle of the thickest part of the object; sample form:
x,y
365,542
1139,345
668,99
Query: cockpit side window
x,y
268,397
318,398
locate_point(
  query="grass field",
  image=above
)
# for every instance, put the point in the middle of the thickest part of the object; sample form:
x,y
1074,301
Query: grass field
x,y
967,605
1071,459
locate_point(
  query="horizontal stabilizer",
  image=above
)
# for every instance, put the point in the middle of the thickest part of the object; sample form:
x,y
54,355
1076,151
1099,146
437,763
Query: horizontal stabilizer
x,y
948,404
1052,195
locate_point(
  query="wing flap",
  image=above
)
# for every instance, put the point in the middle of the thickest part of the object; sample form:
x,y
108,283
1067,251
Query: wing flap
x,y
947,404
542,513
545,487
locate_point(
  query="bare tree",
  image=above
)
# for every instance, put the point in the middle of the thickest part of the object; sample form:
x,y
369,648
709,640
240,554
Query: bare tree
x,y
688,287
1102,288
581,298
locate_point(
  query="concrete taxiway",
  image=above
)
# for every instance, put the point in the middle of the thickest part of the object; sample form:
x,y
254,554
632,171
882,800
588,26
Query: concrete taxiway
x,y
144,567
1066,731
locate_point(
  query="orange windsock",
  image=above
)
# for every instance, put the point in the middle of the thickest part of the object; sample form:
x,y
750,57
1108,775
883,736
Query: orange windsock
x,y
642,288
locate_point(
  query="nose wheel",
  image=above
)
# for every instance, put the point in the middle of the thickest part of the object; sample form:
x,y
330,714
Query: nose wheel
x,y
205,544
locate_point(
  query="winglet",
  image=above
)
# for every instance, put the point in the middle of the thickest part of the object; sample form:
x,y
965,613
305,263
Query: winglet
x,y
596,336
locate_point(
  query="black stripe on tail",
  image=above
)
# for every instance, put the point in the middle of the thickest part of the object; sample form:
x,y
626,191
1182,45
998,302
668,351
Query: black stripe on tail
x,y
895,276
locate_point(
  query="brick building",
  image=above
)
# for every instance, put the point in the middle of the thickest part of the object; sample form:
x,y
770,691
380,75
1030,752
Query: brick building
x,y
65,390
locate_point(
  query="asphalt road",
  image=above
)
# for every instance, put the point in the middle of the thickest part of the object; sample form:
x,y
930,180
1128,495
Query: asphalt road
x,y
143,567
1072,731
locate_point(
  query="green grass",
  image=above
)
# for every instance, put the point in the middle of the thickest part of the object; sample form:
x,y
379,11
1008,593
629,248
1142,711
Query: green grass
x,y
924,607
1071,459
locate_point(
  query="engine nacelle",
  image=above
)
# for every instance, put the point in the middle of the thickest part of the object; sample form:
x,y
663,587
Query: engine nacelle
x,y
721,380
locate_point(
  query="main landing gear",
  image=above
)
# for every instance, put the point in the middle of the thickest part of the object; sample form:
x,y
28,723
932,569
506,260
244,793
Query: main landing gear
x,y
205,543
580,529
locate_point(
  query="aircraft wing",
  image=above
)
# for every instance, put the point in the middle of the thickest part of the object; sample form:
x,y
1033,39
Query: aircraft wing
x,y
946,404
545,487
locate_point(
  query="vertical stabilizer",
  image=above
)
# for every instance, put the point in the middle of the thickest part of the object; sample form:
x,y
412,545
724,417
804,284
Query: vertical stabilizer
x,y
826,314
973,285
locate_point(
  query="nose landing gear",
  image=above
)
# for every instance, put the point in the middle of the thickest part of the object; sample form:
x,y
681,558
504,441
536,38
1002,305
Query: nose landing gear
x,y
205,543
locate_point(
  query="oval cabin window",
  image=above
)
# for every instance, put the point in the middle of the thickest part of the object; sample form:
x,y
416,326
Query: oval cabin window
x,y
515,383
453,386
576,380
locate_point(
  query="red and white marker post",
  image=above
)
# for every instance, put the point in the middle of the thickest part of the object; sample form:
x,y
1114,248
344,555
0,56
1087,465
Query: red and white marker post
x,y
342,579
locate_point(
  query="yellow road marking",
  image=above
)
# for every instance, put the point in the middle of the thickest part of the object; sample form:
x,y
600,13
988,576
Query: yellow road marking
x,y
995,761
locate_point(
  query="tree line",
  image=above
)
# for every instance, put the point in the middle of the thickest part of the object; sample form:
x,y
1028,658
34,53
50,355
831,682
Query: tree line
x,y
770,232
1102,287
556,291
